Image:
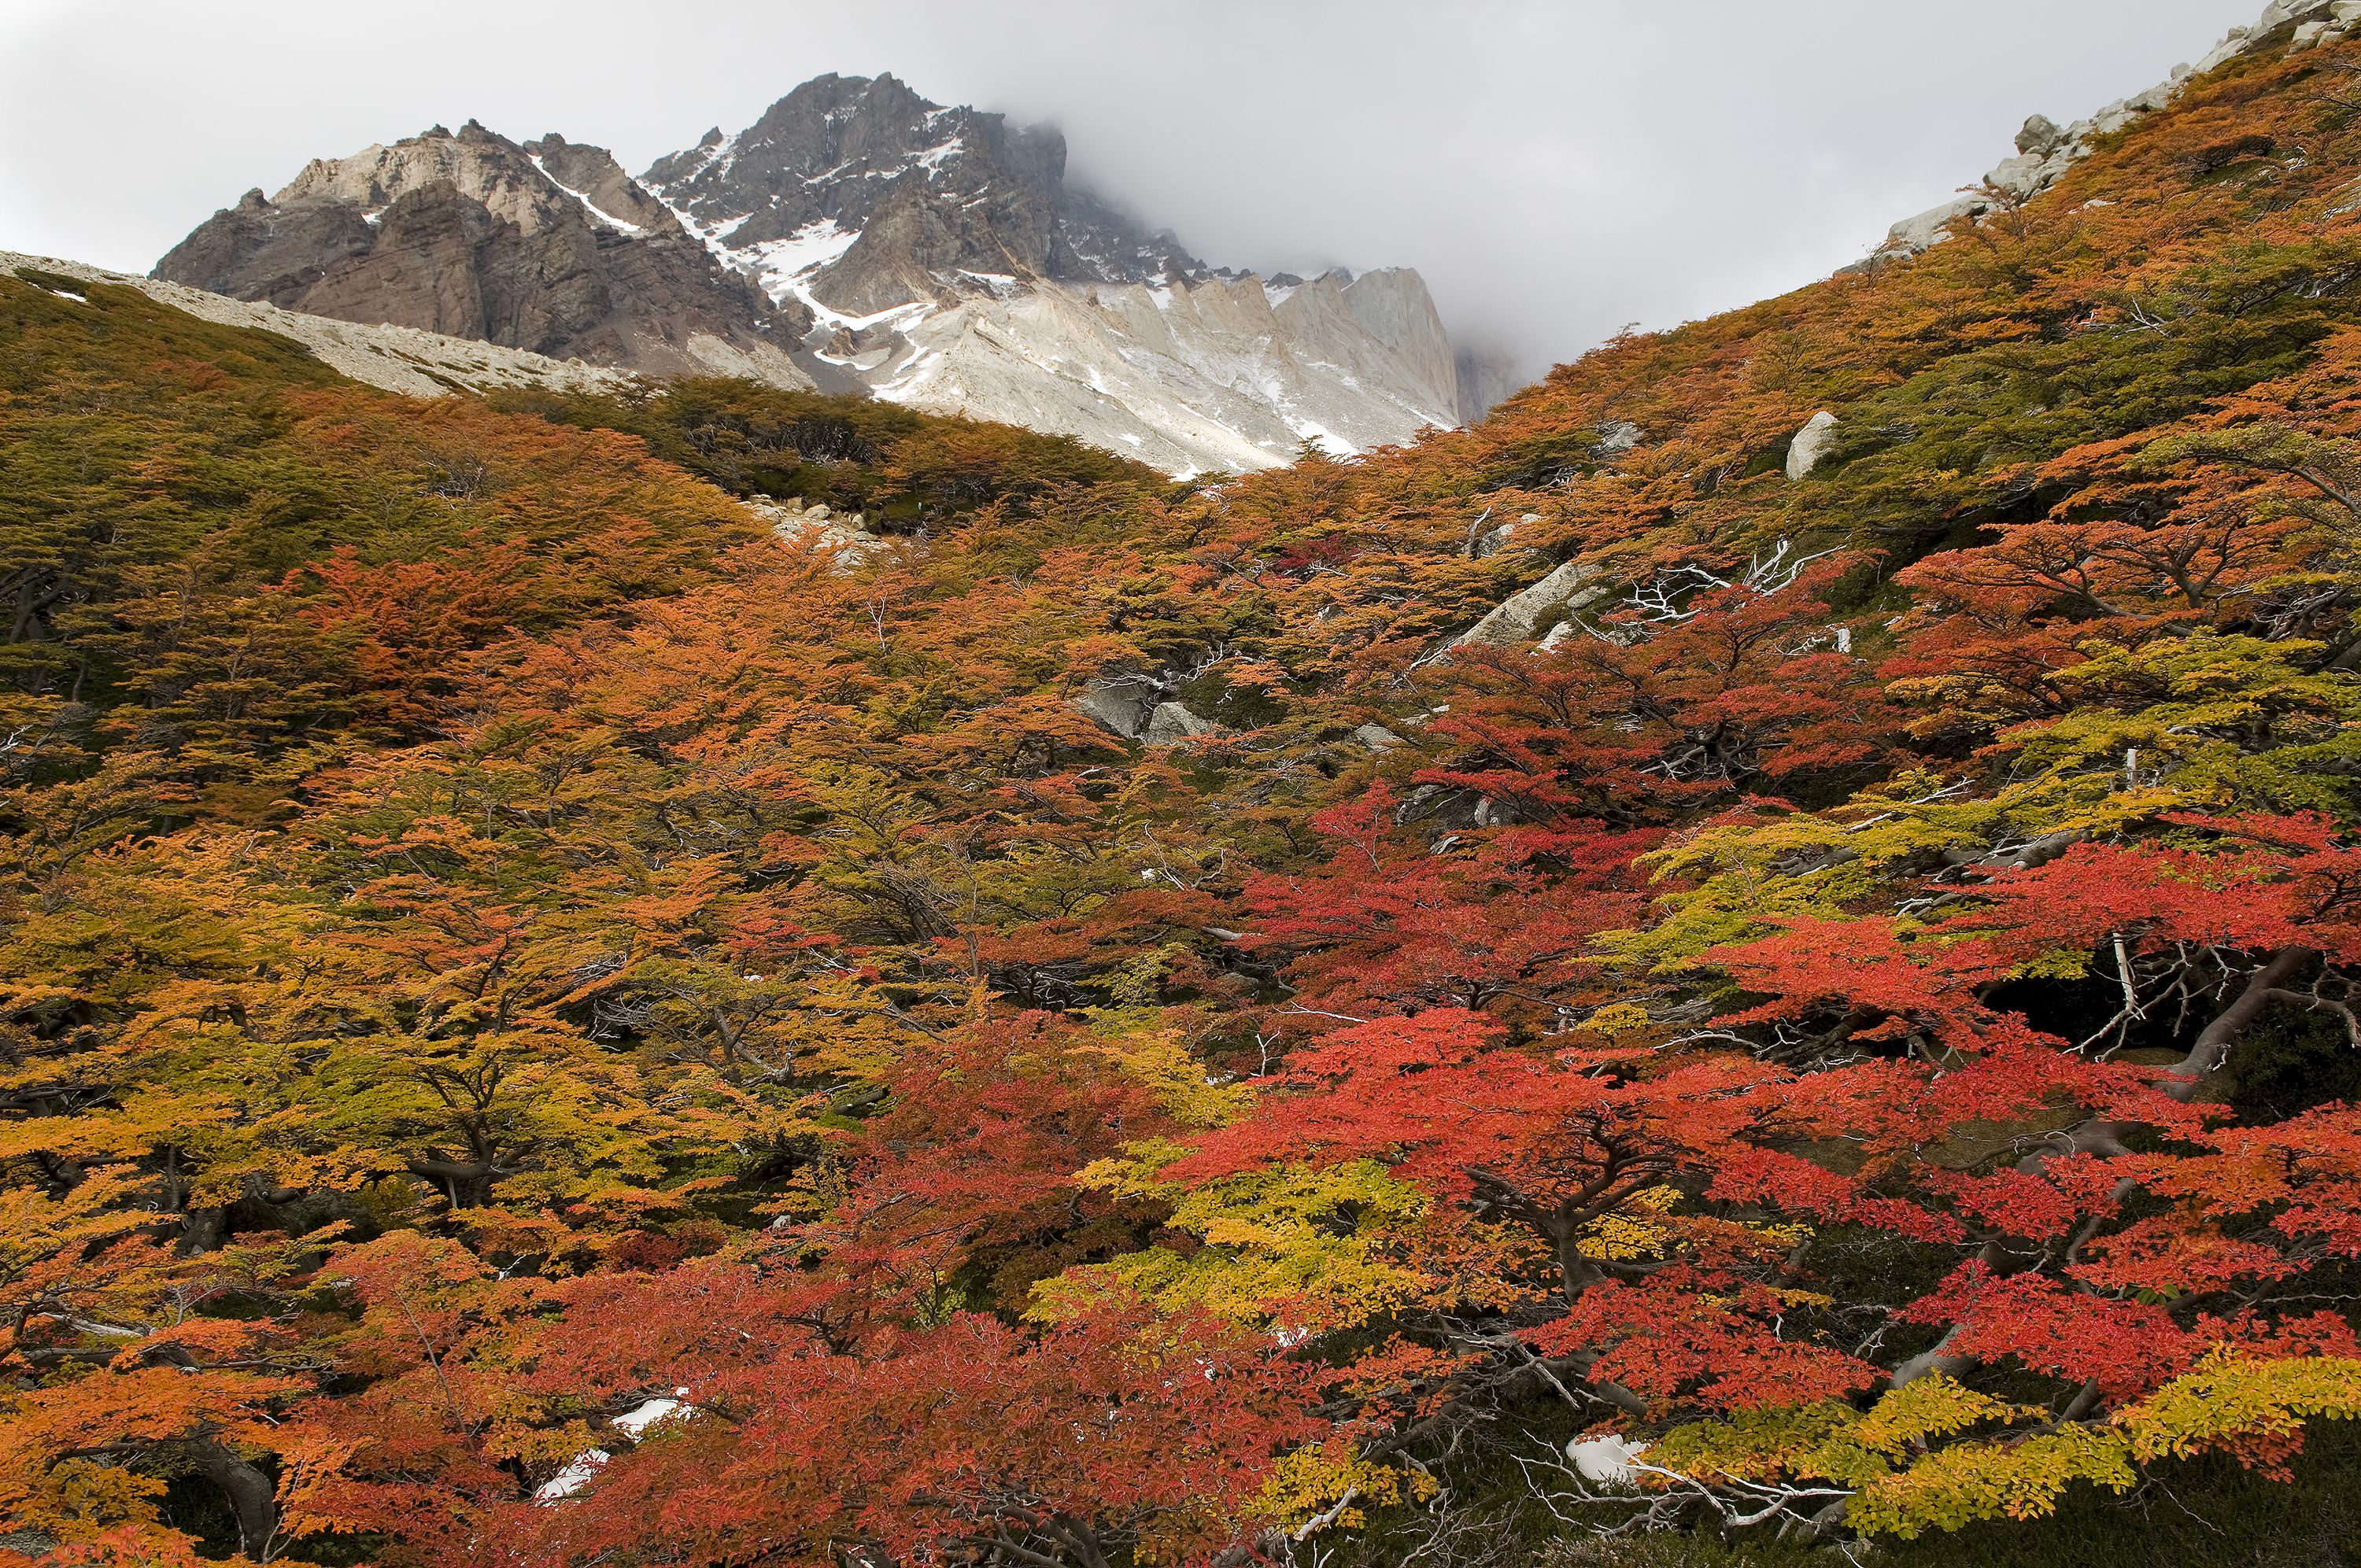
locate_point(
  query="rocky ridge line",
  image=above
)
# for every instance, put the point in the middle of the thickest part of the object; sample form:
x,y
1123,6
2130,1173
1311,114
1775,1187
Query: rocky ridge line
x,y
544,246
951,266
2045,150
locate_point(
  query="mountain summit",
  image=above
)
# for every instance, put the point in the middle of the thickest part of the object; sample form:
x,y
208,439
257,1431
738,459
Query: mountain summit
x,y
880,198
860,238
545,246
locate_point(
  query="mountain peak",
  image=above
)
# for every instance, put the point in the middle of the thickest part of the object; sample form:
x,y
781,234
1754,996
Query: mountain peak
x,y
545,246
838,152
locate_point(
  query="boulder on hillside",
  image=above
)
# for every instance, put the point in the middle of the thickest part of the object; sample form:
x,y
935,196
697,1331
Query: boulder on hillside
x,y
1122,705
1521,617
1172,722
1811,443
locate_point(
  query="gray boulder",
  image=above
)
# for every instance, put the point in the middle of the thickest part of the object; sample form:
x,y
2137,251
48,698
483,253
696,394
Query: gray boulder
x,y
1811,443
1122,705
2040,136
1520,616
1172,723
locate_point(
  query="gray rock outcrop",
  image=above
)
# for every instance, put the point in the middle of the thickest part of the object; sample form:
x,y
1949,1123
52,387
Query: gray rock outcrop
x,y
2045,150
1122,705
1172,722
795,522
1811,443
1523,616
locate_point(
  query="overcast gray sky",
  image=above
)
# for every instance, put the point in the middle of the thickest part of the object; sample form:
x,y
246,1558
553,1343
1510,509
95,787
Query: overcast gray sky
x,y
1556,170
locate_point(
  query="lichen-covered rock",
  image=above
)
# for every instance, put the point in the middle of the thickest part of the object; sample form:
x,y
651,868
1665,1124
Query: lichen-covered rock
x,y
1170,722
1522,616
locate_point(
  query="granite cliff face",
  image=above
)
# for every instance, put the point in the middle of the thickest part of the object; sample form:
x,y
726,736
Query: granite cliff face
x,y
863,238
547,246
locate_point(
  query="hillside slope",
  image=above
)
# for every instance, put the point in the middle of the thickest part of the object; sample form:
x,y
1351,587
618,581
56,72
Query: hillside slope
x,y
1661,963
393,359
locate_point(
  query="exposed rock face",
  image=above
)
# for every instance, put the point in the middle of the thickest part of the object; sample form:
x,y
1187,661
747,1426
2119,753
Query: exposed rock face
x,y
1123,705
1523,615
1811,443
1172,723
2045,152
917,192
547,246
817,527
1222,374
1485,382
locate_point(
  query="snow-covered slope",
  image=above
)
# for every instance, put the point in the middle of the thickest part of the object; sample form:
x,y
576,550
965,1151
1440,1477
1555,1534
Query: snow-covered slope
x,y
1192,377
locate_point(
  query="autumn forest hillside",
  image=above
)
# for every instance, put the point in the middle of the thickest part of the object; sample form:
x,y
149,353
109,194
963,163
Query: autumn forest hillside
x,y
1602,988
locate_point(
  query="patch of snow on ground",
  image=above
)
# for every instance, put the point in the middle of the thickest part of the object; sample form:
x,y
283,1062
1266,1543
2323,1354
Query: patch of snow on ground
x,y
781,266
633,1423
1327,439
596,211
931,160
999,285
784,268
573,1477
906,380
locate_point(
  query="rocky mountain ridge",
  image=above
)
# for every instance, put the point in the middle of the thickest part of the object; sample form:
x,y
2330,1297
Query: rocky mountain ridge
x,y
877,198
858,237
546,246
